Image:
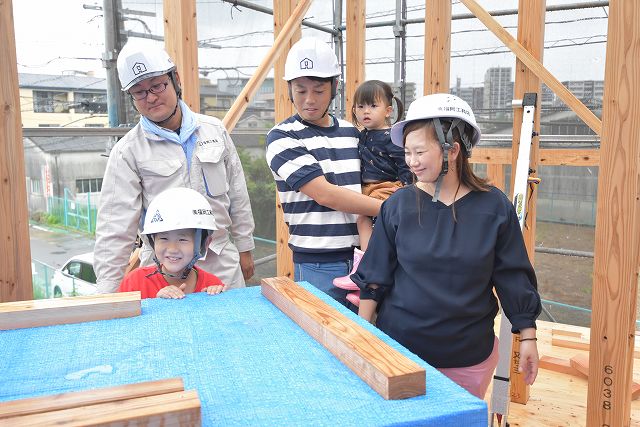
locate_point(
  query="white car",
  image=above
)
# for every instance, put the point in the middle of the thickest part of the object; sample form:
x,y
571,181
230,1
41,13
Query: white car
x,y
76,277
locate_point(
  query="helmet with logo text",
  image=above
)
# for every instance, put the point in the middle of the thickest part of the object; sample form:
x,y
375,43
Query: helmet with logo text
x,y
449,114
310,57
442,106
181,208
137,62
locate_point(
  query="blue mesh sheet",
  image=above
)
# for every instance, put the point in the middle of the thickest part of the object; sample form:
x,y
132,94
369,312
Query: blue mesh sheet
x,y
250,364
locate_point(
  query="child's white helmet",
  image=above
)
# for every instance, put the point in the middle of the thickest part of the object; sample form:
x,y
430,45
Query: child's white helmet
x,y
137,62
178,208
310,57
440,106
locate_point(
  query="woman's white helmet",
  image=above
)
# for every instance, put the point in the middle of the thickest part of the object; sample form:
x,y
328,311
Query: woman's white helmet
x,y
137,62
310,57
440,106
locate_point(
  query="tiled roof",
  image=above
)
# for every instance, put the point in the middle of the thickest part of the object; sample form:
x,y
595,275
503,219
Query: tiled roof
x,y
67,82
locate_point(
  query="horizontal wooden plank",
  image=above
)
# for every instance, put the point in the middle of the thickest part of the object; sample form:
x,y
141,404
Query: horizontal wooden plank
x,y
569,157
580,344
565,332
169,409
557,364
61,401
580,362
387,371
548,156
58,311
492,156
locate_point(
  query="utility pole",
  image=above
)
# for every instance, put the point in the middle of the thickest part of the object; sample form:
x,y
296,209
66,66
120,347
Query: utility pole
x,y
399,68
113,42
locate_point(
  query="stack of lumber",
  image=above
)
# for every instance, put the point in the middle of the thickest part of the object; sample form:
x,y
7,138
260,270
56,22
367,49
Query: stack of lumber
x,y
163,402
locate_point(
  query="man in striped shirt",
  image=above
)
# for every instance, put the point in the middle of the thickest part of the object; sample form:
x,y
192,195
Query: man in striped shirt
x,y
314,159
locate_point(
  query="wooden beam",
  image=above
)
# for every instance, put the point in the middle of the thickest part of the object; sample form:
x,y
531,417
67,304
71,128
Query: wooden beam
x,y
617,239
580,343
580,362
548,156
59,311
15,262
531,15
569,157
437,46
356,35
535,66
496,176
57,402
181,42
491,156
171,409
280,45
387,371
282,10
557,364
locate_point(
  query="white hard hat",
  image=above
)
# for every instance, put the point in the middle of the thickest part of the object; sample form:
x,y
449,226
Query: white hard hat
x,y
438,105
176,209
137,62
310,57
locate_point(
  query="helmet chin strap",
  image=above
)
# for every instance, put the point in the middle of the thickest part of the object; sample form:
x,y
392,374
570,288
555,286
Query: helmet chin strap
x,y
445,158
161,122
178,89
197,254
334,91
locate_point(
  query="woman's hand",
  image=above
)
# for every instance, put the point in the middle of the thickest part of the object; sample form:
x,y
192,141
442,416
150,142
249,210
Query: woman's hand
x,y
172,292
529,359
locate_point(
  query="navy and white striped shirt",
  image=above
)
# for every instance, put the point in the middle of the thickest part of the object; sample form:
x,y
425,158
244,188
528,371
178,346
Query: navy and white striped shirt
x,y
298,152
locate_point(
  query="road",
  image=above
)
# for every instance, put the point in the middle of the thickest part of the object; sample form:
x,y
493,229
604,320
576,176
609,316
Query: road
x,y
54,246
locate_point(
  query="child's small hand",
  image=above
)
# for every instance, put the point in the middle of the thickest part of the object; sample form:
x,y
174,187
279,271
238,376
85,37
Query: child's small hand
x,y
214,290
172,292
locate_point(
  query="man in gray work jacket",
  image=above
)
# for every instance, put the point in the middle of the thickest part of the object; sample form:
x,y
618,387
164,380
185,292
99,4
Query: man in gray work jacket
x,y
170,147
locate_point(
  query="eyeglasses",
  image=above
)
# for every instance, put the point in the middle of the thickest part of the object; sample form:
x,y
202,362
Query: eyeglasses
x,y
141,94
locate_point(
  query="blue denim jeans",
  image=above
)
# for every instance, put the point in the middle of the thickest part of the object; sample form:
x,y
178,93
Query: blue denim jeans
x,y
321,275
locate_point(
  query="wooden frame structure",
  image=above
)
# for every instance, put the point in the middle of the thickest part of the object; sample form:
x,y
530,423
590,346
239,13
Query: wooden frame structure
x,y
617,248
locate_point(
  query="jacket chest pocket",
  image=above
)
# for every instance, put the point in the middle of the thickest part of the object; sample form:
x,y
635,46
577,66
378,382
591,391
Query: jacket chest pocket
x,y
158,175
214,173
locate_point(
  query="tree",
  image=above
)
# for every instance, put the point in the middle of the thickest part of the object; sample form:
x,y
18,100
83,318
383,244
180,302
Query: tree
x,y
262,192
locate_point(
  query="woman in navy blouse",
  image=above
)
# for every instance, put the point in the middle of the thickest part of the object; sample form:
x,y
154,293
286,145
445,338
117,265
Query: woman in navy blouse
x,y
441,246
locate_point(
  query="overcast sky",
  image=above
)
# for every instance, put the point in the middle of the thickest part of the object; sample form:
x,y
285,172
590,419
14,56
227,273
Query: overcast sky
x,y
62,37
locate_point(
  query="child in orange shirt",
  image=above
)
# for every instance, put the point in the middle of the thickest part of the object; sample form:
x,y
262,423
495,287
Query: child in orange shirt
x,y
178,224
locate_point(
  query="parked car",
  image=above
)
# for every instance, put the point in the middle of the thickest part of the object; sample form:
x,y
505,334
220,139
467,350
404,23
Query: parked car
x,y
75,277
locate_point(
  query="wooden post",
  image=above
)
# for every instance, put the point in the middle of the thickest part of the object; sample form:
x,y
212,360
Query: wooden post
x,y
531,14
617,240
15,262
282,10
181,42
281,41
437,46
495,173
356,36
535,66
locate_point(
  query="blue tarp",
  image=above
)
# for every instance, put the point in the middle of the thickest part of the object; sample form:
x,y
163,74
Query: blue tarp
x,y
250,364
